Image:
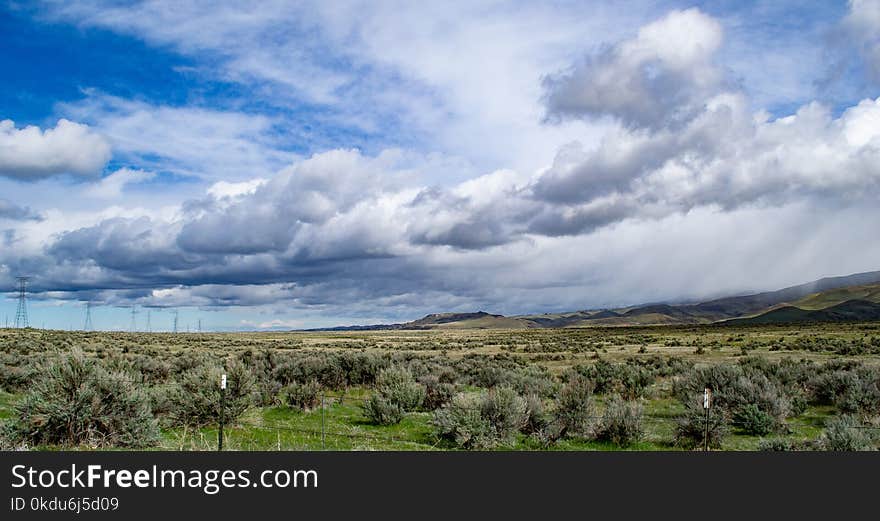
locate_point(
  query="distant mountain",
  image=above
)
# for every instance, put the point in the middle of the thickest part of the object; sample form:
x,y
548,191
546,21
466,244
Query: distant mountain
x,y
849,311
833,299
730,307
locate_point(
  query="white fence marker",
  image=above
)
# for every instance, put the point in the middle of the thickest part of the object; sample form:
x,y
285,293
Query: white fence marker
x,y
223,382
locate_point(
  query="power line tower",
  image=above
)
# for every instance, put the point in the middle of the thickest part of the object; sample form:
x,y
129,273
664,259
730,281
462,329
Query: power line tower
x,y
200,325
175,320
88,324
21,316
133,319
149,326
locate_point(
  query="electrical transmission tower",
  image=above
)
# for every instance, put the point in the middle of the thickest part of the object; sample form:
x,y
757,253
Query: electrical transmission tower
x,y
200,325
88,324
21,316
175,320
133,320
149,326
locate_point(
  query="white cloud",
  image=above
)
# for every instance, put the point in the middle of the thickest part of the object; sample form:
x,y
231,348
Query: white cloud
x,y
222,189
111,186
30,153
659,78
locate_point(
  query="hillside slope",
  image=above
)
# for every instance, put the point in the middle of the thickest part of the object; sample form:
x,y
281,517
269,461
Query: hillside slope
x,y
849,311
852,297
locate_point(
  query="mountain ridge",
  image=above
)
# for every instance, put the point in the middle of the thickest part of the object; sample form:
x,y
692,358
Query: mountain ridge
x,y
820,300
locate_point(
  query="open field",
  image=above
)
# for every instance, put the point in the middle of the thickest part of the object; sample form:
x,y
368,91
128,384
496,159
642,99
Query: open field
x,y
791,382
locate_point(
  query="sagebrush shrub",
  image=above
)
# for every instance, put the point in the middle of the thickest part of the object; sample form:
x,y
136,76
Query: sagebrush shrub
x,y
437,392
690,428
506,411
461,421
397,385
628,380
197,398
382,411
755,403
73,400
396,392
538,420
845,433
482,421
752,420
575,409
621,422
785,445
303,396
861,394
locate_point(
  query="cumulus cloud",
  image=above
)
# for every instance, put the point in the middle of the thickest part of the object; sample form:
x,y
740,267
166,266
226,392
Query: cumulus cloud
x,y
696,141
30,153
661,78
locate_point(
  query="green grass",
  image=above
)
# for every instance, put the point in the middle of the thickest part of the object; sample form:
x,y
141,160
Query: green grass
x,y
7,402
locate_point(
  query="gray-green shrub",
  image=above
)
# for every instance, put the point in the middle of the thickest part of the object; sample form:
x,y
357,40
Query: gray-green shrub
x,y
845,433
396,392
382,411
74,400
482,421
196,400
575,409
690,427
621,422
303,396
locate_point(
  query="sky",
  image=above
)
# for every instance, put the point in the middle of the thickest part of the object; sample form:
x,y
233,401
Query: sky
x,y
279,165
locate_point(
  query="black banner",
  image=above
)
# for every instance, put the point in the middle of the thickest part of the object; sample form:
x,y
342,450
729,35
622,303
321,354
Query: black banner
x,y
389,485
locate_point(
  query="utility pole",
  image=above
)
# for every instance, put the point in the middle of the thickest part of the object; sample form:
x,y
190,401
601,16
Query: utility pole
x,y
133,320
21,315
88,324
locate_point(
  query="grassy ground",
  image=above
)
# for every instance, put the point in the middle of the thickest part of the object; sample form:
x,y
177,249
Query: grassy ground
x,y
345,427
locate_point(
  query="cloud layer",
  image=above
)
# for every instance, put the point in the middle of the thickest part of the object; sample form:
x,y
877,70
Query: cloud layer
x,y
641,168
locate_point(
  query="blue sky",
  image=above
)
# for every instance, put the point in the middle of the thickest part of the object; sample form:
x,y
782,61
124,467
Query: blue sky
x,y
310,164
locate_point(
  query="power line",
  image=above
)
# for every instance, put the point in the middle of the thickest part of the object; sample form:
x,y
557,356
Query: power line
x,y
133,327
21,315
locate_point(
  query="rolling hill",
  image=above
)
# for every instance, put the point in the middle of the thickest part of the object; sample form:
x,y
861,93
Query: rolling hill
x,y
849,311
834,299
